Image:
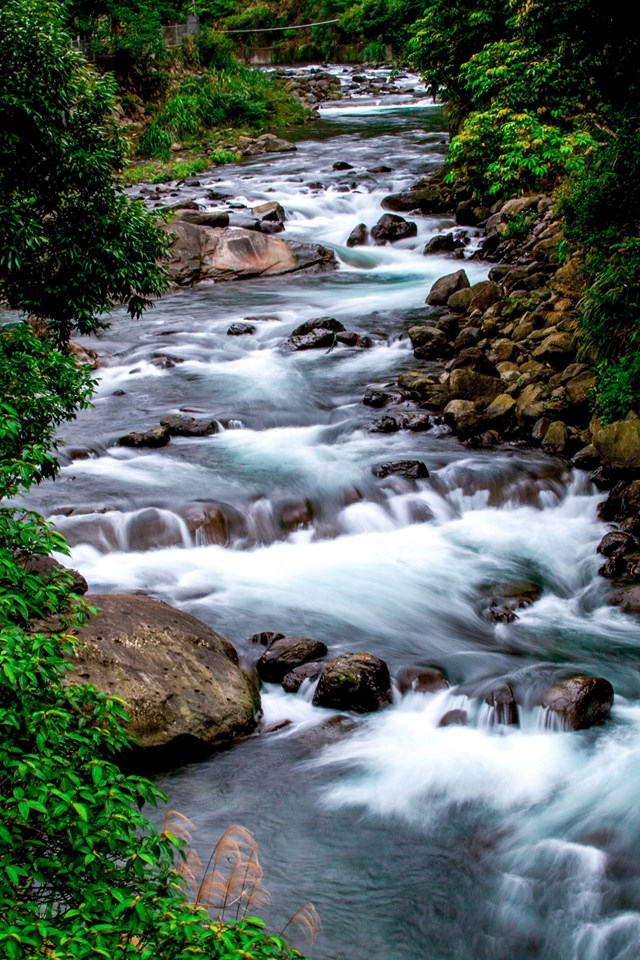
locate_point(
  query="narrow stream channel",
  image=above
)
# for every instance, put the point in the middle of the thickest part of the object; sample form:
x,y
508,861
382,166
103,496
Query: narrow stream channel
x,y
413,841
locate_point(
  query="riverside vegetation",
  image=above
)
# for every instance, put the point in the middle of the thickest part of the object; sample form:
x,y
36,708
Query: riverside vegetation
x,y
84,873
536,109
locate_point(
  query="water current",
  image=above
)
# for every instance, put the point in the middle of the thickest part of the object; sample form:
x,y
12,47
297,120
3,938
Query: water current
x,y
413,841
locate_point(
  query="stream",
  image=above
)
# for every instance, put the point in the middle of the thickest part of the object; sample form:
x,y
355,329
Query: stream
x,y
477,842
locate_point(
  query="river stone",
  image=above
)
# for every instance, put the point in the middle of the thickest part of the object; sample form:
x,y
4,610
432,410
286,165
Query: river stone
x,y
500,408
409,469
505,708
384,425
265,638
292,681
421,680
556,437
285,654
426,196
443,288
180,680
391,228
431,337
616,543
207,523
555,349
484,295
156,437
454,718
580,701
233,253
241,329
618,444
48,569
469,385
272,212
462,416
354,681
441,243
358,236
203,218
180,425
473,358
460,300
377,398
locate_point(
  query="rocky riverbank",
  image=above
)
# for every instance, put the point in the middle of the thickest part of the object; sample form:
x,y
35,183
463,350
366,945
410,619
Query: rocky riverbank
x,y
502,361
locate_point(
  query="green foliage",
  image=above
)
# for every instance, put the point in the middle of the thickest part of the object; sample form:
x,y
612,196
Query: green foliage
x,y
70,245
239,97
41,388
518,225
449,33
500,153
381,22
215,50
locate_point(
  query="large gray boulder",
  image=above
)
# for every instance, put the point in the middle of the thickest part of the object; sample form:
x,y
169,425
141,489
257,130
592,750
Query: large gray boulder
x,y
179,678
233,253
618,444
446,286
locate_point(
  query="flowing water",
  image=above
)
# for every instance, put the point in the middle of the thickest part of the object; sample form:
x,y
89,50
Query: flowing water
x,y
458,843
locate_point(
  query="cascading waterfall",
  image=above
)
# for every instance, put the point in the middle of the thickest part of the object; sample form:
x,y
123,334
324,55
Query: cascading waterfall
x,y
412,839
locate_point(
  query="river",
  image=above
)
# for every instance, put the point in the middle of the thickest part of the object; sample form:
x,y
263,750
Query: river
x,y
413,841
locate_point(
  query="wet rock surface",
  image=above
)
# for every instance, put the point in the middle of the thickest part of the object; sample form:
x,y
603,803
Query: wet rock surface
x,y
181,680
359,682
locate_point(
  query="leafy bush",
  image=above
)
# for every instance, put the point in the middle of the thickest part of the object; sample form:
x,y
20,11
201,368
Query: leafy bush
x,y
239,97
500,153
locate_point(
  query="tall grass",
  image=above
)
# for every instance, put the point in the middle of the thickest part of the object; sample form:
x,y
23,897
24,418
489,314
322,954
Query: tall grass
x,y
236,97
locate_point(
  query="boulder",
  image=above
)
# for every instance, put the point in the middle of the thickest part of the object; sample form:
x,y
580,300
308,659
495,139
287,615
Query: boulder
x,y
358,236
391,228
179,678
421,680
234,253
429,342
443,288
384,425
460,300
556,349
286,653
442,243
377,398
618,444
500,408
180,425
556,437
484,295
469,385
426,196
241,329
473,358
462,416
314,334
203,218
272,212
156,437
454,718
267,143
616,543
505,709
409,469
580,701
48,569
354,681
293,680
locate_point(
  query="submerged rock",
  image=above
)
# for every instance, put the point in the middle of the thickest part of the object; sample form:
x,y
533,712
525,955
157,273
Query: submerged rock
x,y
354,681
409,469
421,680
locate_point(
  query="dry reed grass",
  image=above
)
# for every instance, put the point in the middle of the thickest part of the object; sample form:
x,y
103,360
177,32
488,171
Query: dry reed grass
x,y
231,883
